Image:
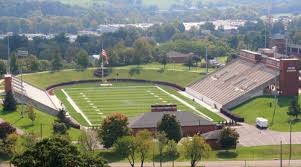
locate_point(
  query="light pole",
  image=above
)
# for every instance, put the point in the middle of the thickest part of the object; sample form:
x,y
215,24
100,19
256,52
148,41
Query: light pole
x,y
290,154
206,60
8,53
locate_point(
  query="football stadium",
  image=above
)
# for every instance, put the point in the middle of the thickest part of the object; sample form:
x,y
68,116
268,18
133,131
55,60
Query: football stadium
x,y
251,75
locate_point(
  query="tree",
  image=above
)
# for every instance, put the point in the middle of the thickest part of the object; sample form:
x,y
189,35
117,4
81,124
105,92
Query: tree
x,y
70,52
171,126
112,128
29,140
31,64
294,109
56,60
195,149
51,152
90,160
59,128
162,140
9,103
208,26
13,64
233,41
229,138
143,51
180,26
144,143
8,144
278,28
2,68
126,147
82,59
164,60
88,140
189,62
31,113
6,129
171,150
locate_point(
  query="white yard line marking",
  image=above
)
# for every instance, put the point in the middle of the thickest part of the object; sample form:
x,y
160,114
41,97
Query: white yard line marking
x,y
76,108
185,103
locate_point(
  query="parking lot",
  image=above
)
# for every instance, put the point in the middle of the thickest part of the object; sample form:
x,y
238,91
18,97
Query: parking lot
x,y
252,136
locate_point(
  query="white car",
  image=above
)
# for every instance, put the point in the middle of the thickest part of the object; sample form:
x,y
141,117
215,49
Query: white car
x,y
262,122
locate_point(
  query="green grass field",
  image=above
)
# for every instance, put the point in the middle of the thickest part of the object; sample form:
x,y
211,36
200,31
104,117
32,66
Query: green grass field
x,y
172,67
46,79
260,107
241,153
131,99
42,118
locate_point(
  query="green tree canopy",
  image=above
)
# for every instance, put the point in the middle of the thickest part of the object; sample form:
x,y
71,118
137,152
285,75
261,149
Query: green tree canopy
x,y
144,141
171,126
294,109
9,103
195,149
113,127
229,138
56,152
126,146
82,59
171,150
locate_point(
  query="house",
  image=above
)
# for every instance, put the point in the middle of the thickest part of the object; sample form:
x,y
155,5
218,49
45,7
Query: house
x,y
190,122
177,57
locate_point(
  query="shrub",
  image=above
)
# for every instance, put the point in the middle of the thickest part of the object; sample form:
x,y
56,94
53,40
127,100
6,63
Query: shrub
x,y
6,129
9,103
59,128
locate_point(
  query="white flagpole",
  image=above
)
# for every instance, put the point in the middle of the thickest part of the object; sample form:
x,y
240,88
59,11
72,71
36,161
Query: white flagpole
x,y
102,68
102,71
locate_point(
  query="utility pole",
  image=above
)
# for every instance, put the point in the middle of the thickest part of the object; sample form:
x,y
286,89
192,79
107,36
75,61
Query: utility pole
x,y
275,101
41,130
8,55
206,60
280,153
102,71
290,154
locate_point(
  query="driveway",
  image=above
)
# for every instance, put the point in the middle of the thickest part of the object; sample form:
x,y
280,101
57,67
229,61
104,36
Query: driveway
x,y
252,136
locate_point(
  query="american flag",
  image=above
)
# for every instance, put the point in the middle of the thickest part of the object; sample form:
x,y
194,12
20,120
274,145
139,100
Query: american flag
x,y
104,54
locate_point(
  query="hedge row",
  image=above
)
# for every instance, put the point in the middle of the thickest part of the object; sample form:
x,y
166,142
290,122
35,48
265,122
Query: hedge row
x,y
234,117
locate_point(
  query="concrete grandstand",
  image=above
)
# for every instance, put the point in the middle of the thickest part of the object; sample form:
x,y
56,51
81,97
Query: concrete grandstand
x,y
29,94
252,74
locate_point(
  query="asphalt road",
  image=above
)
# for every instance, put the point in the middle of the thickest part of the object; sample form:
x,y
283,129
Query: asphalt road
x,y
272,163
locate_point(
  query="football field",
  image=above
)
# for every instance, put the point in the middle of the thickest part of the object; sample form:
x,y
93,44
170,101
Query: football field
x,y
95,103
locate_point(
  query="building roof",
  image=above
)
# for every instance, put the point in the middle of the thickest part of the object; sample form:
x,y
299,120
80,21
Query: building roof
x,y
212,135
172,54
151,119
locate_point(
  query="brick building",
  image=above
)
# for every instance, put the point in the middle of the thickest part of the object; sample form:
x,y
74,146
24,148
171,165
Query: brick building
x,y
191,123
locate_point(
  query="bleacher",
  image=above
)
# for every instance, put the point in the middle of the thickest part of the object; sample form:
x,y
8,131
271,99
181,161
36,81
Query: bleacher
x,y
233,84
32,95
